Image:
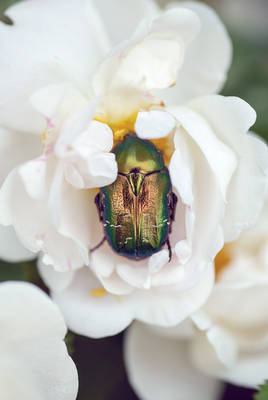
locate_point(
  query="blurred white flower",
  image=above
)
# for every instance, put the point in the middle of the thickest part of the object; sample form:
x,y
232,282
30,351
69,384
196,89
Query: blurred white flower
x,y
217,169
34,360
227,339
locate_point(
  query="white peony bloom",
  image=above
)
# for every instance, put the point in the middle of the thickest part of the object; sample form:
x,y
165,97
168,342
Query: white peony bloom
x,y
217,169
34,360
227,339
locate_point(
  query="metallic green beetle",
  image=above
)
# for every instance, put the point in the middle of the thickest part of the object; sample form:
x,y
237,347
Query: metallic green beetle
x,y
138,208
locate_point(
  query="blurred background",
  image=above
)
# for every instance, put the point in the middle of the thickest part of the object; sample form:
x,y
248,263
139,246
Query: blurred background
x,y
100,362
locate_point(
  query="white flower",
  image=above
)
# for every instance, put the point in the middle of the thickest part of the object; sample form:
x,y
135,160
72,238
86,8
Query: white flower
x,y
34,361
217,169
226,339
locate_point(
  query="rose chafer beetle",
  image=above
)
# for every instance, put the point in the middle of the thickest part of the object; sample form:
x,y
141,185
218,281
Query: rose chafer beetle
x,y
137,209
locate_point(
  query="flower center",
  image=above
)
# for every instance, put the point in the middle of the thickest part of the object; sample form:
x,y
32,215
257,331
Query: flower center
x,y
223,259
122,127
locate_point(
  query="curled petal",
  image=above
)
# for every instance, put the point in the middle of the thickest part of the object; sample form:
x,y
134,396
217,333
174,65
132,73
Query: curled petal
x,y
230,119
207,58
152,57
154,124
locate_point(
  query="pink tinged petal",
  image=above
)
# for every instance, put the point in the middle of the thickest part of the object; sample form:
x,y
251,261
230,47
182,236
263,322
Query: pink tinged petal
x,y
221,158
151,59
11,249
32,324
207,58
154,124
159,368
64,52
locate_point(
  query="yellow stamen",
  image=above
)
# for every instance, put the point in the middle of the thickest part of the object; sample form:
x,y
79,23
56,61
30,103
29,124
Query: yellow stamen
x,y
122,127
98,292
222,259
44,136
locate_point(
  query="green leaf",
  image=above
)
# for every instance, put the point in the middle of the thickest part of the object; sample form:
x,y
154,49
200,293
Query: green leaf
x,y
4,4
263,392
69,341
25,271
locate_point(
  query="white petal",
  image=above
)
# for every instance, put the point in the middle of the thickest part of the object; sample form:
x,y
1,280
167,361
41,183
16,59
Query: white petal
x,y
221,158
181,168
150,60
11,249
183,251
54,280
207,58
15,148
230,119
97,135
249,370
154,124
125,14
159,368
158,261
223,344
36,56
50,99
74,126
89,315
32,324
33,174
34,228
103,170
99,316
85,229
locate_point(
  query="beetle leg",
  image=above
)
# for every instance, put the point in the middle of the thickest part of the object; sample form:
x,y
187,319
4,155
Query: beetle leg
x,y
99,204
169,249
173,206
98,245
172,203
